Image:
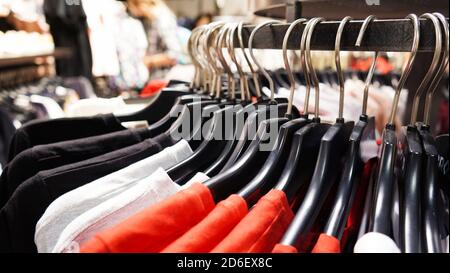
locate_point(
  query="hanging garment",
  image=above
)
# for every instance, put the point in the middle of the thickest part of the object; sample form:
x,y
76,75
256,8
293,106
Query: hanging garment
x,y
279,248
208,227
100,19
74,203
376,243
45,157
52,108
261,228
7,130
160,224
69,29
31,199
131,45
149,191
95,106
51,131
81,85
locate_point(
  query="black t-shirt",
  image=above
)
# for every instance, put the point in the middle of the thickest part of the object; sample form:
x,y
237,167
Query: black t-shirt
x,y
50,156
7,130
50,131
18,218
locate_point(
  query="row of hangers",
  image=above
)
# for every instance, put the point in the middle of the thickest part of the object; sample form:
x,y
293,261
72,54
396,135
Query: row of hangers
x,y
309,157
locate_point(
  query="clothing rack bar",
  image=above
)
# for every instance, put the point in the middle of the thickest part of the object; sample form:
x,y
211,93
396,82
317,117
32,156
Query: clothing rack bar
x,y
393,35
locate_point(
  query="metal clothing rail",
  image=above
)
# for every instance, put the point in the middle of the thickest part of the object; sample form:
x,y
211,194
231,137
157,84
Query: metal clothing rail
x,y
382,35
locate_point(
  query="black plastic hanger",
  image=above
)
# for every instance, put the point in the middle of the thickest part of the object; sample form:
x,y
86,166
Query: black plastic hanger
x,y
218,135
301,161
227,38
410,190
187,112
241,114
276,160
161,113
166,99
432,228
353,167
329,163
365,219
207,151
233,179
242,130
412,152
383,193
246,132
213,145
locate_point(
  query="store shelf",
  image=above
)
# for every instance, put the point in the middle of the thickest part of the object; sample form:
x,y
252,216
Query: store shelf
x,y
59,53
381,35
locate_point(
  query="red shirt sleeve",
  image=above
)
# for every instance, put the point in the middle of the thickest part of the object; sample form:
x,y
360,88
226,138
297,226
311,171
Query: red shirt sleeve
x,y
284,249
327,244
154,228
262,228
210,231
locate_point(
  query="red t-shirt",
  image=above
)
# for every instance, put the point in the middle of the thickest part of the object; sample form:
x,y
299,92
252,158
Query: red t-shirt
x,y
153,87
327,244
279,248
262,228
154,228
211,230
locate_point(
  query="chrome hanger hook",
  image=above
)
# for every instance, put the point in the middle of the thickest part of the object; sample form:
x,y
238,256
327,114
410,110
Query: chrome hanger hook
x,y
373,66
250,46
250,65
440,74
414,48
195,80
232,53
216,82
287,65
435,65
305,67
205,78
313,73
200,51
340,73
223,33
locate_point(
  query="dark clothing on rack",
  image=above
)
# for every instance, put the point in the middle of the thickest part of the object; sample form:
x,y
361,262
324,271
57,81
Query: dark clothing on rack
x,y
5,25
69,29
81,85
19,216
50,156
7,130
50,131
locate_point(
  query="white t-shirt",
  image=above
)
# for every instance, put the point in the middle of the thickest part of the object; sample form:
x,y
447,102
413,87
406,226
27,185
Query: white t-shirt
x,y
95,106
53,109
374,242
147,192
69,206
